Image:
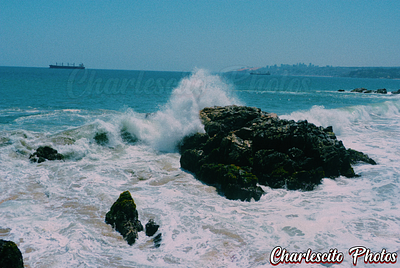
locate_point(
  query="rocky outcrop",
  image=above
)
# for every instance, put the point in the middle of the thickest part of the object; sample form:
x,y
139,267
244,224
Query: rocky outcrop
x,y
360,90
244,147
10,255
44,153
381,91
123,217
364,90
396,92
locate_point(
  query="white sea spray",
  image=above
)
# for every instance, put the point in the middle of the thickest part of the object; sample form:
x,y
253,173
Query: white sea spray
x,y
55,210
163,129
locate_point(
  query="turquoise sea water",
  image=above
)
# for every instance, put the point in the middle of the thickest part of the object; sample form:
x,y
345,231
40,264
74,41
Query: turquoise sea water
x,y
55,210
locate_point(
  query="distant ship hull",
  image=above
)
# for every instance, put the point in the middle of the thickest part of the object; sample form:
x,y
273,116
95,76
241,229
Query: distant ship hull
x,y
80,66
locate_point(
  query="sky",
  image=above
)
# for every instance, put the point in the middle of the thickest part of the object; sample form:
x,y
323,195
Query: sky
x,y
178,35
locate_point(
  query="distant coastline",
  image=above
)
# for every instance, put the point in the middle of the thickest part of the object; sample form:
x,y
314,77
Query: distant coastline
x,y
302,69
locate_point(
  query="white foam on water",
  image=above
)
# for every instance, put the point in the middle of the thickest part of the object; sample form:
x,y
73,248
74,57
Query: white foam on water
x,y
180,116
55,210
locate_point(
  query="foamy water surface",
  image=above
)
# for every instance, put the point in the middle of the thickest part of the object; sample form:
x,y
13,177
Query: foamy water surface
x,y
55,210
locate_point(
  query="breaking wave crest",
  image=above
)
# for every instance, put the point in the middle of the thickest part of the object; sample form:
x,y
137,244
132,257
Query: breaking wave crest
x,y
180,116
344,120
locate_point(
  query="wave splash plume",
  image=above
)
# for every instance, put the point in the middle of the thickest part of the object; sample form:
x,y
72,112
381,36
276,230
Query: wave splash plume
x,y
180,115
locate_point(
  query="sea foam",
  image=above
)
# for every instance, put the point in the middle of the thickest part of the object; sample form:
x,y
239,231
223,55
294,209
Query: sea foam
x,y
180,115
343,119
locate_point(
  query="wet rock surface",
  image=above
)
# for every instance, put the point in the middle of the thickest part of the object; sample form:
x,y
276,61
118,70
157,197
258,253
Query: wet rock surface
x,y
244,147
151,227
44,153
364,90
10,255
123,217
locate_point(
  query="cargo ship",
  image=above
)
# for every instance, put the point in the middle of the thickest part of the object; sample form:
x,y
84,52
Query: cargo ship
x,y
62,66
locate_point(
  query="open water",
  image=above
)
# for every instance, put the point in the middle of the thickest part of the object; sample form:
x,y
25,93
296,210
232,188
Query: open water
x,y
55,210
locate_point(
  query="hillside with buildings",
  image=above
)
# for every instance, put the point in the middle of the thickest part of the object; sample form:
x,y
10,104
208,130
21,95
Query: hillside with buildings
x,y
302,69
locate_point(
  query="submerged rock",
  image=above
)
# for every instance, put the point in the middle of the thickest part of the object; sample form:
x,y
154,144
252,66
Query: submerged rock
x,y
44,153
123,217
4,141
151,227
101,138
244,147
10,255
128,137
157,241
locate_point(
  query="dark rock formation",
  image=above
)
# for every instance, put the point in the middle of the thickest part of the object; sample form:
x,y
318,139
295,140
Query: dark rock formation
x,y
359,90
123,217
101,138
10,255
364,90
356,156
45,152
341,90
244,146
381,91
396,92
233,181
151,227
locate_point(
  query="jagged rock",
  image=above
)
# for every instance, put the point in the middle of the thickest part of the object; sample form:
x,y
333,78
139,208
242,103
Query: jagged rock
x,y
396,92
10,255
244,146
356,156
101,138
123,217
151,227
45,152
364,90
381,91
359,90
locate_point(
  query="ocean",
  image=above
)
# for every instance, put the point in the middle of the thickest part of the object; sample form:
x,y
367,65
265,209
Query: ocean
x,y
55,210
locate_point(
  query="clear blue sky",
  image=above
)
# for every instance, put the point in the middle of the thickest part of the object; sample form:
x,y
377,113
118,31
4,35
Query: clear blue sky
x,y
215,35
